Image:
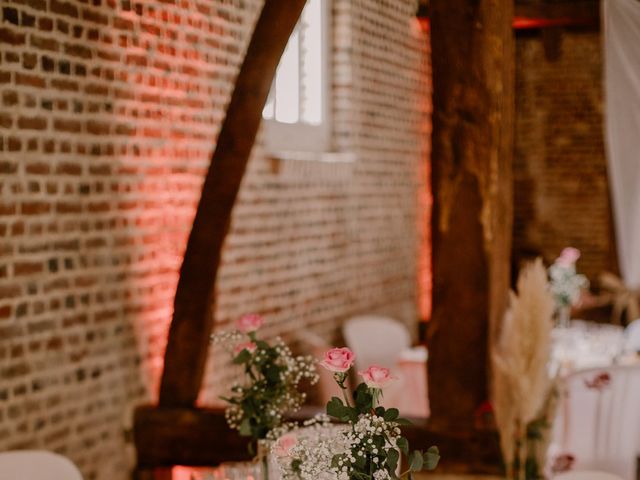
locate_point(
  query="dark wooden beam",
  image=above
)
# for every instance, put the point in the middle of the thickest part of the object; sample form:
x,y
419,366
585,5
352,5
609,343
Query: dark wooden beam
x,y
532,15
192,322
472,49
575,10
187,436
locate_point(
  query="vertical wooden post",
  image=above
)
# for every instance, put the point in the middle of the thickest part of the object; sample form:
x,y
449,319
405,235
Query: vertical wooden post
x,y
473,99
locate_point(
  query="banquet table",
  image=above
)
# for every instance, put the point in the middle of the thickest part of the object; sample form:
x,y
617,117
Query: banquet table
x,y
591,420
586,345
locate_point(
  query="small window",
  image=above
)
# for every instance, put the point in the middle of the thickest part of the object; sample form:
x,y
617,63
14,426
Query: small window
x,y
296,113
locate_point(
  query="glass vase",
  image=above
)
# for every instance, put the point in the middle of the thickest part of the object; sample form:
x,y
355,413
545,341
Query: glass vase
x,y
563,316
263,459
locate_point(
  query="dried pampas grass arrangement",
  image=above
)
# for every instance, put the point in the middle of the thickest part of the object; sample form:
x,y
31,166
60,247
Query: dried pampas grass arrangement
x,y
521,382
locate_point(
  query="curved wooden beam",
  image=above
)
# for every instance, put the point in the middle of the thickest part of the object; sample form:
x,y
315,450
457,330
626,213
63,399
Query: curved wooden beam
x,y
192,322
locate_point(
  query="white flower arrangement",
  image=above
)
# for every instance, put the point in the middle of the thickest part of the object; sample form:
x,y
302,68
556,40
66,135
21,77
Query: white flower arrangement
x,y
271,385
566,283
367,446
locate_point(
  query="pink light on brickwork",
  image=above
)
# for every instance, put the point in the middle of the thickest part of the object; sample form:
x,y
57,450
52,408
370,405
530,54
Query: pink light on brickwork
x,y
528,23
167,109
420,28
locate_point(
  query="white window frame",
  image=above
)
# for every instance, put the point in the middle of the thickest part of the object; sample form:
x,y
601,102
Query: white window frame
x,y
299,136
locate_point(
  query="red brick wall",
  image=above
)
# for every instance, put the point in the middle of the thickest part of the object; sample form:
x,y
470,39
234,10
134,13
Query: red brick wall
x,y
109,115
561,192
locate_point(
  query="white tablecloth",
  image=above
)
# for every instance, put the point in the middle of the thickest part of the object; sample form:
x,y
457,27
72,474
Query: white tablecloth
x,y
585,345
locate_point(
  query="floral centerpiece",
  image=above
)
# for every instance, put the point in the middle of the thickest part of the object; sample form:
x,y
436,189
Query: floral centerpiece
x,y
566,283
271,384
365,446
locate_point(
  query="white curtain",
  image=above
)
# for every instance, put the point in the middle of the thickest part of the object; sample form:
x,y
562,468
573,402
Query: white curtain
x,y
622,98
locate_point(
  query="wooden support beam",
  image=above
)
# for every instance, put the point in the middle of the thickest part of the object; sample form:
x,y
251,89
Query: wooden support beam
x,y
192,322
544,14
473,101
186,436
570,10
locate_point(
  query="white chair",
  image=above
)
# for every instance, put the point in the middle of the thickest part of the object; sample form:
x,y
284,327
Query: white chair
x,y
598,420
36,465
386,342
376,340
586,475
632,336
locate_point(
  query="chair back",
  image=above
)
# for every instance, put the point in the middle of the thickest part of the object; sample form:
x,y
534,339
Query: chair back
x,y
36,465
599,420
632,336
376,340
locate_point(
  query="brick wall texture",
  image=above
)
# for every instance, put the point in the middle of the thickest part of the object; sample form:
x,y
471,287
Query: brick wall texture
x,y
561,191
110,110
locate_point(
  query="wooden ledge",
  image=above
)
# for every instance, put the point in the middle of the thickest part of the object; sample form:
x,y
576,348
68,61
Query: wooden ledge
x,y
167,436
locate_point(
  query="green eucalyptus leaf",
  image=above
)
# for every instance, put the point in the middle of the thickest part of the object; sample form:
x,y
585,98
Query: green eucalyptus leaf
x,y
245,428
403,444
431,458
351,414
243,357
392,459
272,373
391,414
402,421
336,408
415,461
378,441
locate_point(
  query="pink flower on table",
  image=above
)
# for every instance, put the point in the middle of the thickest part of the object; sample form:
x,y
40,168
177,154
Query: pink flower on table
x,y
562,463
377,377
248,346
338,360
568,256
599,382
249,323
284,444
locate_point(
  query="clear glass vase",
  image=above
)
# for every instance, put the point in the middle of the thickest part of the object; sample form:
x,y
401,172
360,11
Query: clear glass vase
x,y
263,460
563,316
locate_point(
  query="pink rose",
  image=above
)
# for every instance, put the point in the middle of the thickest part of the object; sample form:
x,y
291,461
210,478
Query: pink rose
x,y
568,256
248,346
338,360
599,382
563,463
249,323
284,444
376,377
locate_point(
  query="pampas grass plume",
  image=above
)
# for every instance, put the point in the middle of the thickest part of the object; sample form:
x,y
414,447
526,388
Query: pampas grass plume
x,y
520,357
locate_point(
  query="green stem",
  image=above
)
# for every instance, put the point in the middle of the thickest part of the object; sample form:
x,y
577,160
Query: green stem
x,y
340,378
344,395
